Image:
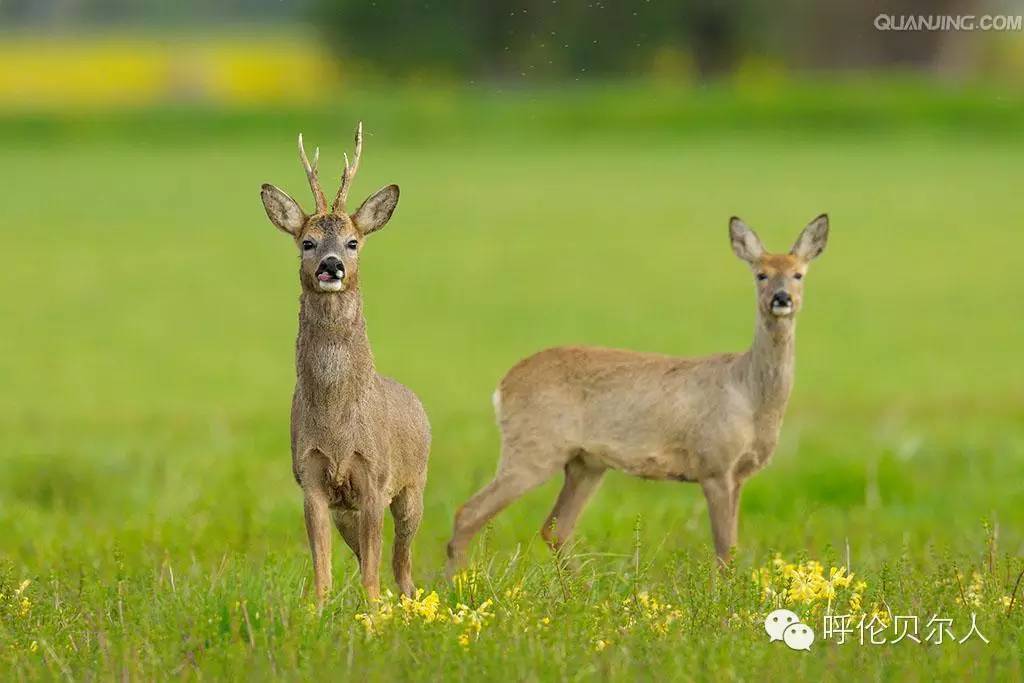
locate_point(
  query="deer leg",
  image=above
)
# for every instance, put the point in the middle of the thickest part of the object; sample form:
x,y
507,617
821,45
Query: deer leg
x,y
407,510
509,484
719,493
318,528
347,522
371,523
736,491
581,481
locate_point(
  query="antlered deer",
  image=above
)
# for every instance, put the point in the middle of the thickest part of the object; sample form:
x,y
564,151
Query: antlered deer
x,y
359,440
712,420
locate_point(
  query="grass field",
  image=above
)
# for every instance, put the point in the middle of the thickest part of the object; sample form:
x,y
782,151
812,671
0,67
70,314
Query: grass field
x,y
146,366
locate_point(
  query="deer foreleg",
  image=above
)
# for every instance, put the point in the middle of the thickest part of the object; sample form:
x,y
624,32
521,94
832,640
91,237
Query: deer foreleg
x,y
318,528
371,527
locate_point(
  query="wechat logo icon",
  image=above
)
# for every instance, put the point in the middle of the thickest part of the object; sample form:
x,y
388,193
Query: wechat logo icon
x,y
786,626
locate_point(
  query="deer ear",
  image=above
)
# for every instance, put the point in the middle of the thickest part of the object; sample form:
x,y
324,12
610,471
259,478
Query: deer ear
x,y
745,242
812,240
376,210
282,210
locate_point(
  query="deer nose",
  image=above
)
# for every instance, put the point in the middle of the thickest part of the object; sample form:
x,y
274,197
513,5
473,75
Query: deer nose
x,y
782,299
333,266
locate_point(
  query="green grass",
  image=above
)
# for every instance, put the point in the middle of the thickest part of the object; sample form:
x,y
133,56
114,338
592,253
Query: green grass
x,y
149,313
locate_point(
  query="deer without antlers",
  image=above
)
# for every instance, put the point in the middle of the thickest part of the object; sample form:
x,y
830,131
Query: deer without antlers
x,y
713,420
359,440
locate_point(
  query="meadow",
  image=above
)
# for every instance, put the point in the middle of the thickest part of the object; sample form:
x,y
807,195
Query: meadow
x,y
149,524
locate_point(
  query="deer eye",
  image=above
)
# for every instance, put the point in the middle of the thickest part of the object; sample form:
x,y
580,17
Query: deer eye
x,y
798,276
308,244
352,244
762,277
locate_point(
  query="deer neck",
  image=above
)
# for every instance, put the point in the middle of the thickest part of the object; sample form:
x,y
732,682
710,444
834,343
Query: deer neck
x,y
770,363
334,364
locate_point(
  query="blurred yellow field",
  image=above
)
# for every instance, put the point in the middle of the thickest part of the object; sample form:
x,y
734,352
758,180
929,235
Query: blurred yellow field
x,y
106,71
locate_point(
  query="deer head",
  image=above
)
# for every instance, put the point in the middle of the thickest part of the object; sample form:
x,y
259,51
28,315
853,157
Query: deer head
x,y
329,240
779,277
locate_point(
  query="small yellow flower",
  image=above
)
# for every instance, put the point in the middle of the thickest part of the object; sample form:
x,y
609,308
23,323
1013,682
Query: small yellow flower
x,y
839,577
600,645
426,609
882,616
805,583
514,593
33,647
801,589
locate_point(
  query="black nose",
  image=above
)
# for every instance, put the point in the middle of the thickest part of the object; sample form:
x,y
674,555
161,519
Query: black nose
x,y
782,299
332,265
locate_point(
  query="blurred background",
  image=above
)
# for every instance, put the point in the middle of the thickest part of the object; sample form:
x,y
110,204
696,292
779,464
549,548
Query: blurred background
x,y
103,53
567,170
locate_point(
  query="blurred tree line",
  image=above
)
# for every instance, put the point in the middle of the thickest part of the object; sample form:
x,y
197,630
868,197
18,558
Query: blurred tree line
x,y
557,39
563,39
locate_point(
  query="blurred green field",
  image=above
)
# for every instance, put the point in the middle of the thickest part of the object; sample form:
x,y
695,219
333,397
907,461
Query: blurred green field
x,y
146,365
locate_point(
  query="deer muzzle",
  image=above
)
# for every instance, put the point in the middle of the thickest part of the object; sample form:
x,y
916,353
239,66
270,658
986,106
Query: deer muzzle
x,y
330,273
782,303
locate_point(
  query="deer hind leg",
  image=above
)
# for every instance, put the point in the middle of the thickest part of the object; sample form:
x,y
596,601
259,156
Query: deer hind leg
x,y
407,510
722,495
347,522
581,481
512,481
736,490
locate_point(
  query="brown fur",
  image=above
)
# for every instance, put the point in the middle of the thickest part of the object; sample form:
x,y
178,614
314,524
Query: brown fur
x,y
713,420
359,440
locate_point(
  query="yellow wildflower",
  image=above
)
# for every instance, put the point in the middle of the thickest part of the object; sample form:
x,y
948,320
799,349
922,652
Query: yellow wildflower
x,y
514,593
427,609
881,615
384,612
801,589
839,577
805,583
473,620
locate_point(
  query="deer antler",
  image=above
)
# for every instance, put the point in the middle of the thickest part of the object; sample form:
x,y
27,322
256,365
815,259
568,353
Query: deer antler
x,y
350,172
311,173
